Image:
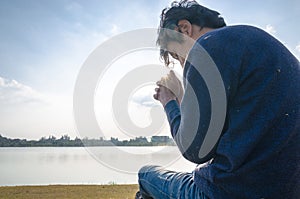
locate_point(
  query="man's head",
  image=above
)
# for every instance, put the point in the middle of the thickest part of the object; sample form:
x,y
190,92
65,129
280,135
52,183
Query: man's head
x,y
189,18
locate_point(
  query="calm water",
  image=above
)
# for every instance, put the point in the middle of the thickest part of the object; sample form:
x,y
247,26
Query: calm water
x,y
78,165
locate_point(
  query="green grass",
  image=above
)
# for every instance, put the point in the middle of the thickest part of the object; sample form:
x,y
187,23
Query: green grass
x,y
70,191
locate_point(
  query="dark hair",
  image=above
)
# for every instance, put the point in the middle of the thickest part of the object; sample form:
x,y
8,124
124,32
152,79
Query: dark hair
x,y
188,10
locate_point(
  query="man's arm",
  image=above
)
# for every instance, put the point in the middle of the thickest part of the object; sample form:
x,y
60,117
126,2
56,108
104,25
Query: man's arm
x,y
210,83
187,127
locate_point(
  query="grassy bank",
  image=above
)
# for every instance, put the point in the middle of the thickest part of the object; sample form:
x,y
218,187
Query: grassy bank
x,y
70,191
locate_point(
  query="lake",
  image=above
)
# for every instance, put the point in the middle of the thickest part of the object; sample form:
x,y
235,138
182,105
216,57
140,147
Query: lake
x,y
79,165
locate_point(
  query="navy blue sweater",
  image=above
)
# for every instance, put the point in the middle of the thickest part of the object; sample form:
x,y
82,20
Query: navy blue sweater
x,y
258,153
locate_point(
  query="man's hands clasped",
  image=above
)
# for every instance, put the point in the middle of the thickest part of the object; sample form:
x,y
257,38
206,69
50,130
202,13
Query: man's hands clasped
x,y
169,88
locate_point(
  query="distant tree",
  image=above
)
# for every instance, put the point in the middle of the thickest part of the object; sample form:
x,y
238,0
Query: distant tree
x,y
65,140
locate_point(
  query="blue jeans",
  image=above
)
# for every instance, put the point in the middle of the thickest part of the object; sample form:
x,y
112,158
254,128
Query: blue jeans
x,y
157,183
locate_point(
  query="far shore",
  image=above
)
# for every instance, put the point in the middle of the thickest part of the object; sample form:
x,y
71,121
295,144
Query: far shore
x,y
69,191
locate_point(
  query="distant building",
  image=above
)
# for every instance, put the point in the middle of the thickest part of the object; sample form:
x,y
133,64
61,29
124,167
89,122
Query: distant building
x,y
161,139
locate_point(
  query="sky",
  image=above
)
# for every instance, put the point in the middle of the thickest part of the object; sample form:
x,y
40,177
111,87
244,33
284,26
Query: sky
x,y
44,44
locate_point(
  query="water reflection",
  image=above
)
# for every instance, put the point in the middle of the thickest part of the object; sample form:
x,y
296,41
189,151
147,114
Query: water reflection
x,y
74,165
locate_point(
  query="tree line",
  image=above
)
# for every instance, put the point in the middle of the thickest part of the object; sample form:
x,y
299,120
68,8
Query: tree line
x,y
66,141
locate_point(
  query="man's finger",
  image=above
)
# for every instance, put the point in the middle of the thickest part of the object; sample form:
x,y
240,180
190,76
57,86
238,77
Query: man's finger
x,y
159,83
172,74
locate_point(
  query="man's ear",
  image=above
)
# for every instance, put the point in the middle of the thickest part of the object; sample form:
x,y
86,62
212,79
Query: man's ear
x,y
185,27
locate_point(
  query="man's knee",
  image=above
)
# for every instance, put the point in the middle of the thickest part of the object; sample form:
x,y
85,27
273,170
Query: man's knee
x,y
146,169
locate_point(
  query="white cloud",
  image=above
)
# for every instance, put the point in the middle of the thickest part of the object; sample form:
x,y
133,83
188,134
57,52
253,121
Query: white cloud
x,y
73,6
270,29
298,48
115,29
13,92
27,113
145,100
297,51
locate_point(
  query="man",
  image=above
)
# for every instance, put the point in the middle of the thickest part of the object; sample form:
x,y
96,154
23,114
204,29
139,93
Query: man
x,y
258,153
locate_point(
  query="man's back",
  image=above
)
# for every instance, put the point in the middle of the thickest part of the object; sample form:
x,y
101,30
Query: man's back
x,y
258,154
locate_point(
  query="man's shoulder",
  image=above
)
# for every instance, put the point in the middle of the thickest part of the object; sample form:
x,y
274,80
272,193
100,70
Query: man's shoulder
x,y
229,41
232,41
226,33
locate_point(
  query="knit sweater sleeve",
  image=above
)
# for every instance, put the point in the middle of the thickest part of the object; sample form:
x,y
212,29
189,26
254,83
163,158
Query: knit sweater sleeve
x,y
195,125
